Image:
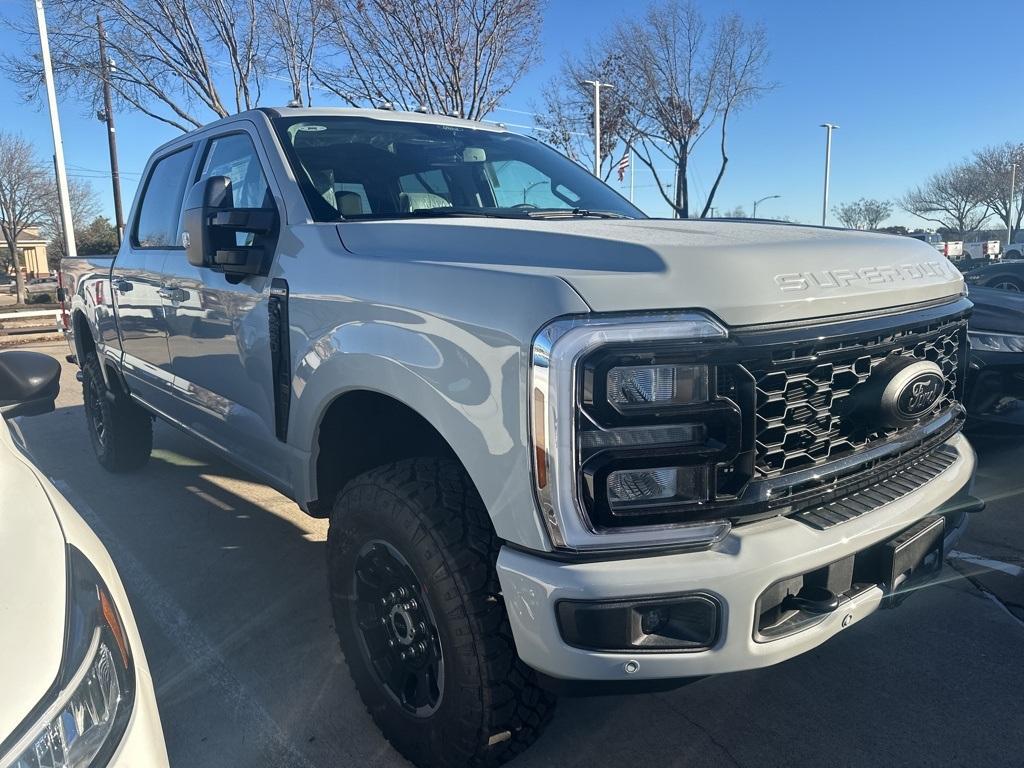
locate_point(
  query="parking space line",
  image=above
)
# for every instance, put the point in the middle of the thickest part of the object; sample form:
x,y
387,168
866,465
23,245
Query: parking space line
x,y
1009,569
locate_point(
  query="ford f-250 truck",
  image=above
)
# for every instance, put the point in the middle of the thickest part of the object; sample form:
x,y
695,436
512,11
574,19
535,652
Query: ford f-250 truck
x,y
561,445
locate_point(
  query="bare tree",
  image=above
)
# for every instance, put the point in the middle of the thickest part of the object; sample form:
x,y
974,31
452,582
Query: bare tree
x,y
177,61
992,165
565,118
744,58
85,207
24,187
866,213
951,199
681,79
297,26
458,57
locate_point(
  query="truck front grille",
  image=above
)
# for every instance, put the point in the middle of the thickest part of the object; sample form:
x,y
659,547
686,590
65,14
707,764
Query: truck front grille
x,y
804,391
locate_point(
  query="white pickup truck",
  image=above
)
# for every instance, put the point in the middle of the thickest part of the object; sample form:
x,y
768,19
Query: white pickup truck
x,y
561,445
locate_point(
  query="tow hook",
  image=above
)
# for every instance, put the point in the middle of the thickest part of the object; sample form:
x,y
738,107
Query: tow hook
x,y
816,600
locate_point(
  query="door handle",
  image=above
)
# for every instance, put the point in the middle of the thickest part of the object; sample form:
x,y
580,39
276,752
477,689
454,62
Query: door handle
x,y
172,294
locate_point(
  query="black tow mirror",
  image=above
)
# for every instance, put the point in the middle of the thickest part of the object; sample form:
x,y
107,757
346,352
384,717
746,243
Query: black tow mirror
x,y
211,226
29,383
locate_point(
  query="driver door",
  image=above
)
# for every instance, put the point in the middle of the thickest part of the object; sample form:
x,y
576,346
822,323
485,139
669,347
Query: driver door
x,y
218,326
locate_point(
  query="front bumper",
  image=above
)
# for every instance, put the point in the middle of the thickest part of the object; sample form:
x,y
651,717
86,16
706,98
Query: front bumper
x,y
736,573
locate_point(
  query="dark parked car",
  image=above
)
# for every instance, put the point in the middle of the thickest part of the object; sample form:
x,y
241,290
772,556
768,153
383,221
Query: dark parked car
x,y
995,379
1007,274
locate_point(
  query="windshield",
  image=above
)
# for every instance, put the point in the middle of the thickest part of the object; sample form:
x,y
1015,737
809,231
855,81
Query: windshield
x,y
363,168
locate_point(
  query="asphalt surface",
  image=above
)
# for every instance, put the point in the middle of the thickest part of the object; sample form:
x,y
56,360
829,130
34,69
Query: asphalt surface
x,y
228,585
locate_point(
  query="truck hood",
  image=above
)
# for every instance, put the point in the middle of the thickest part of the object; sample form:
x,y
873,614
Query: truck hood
x,y
744,272
33,588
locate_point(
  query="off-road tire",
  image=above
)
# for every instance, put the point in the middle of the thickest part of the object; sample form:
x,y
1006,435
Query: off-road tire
x,y
121,431
428,510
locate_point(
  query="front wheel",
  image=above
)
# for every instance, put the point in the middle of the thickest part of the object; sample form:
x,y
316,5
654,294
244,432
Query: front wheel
x,y
121,432
422,624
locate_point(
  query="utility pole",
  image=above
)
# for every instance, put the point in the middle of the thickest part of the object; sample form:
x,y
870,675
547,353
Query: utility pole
x,y
58,142
598,85
1009,208
829,127
107,116
758,202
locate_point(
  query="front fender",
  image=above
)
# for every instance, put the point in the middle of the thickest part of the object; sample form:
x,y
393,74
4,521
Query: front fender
x,y
468,382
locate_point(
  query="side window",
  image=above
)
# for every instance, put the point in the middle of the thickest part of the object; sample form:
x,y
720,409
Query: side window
x,y
515,183
234,156
160,210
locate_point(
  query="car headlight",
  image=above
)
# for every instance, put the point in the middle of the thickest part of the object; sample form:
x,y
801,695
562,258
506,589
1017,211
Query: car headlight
x,y
996,342
630,431
95,690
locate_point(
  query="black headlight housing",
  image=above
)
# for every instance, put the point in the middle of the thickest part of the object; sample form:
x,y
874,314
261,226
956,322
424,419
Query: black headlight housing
x,y
695,441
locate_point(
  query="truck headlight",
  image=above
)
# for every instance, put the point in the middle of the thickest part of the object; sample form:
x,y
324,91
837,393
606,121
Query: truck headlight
x,y
996,342
631,432
95,690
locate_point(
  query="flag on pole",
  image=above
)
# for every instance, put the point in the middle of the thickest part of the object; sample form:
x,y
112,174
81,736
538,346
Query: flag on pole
x,y
623,166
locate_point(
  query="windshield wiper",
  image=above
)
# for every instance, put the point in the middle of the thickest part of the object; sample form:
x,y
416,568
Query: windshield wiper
x,y
574,213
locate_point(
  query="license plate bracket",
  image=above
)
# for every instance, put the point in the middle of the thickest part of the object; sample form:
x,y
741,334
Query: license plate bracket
x,y
914,556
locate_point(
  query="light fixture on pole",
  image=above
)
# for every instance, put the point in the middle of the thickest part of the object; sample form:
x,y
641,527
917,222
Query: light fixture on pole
x,y
1009,208
58,142
829,127
598,85
758,202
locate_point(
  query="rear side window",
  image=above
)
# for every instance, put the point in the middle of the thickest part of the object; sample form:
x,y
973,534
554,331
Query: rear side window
x,y
160,210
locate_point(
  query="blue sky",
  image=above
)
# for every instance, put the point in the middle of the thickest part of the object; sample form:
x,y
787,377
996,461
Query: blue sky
x,y
914,85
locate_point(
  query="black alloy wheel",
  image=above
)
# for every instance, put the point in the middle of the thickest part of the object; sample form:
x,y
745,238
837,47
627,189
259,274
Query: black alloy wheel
x,y
397,631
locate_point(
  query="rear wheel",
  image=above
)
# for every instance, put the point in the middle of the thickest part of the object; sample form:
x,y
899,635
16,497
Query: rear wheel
x,y
121,431
422,624
1007,283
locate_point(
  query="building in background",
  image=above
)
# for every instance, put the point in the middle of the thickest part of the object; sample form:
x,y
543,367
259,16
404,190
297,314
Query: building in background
x,y
32,253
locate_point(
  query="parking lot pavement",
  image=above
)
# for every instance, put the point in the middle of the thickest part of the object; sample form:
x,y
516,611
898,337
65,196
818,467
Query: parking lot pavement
x,y
228,585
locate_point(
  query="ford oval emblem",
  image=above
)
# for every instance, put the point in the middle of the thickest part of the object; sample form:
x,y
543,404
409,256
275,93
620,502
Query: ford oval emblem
x,y
919,395
912,392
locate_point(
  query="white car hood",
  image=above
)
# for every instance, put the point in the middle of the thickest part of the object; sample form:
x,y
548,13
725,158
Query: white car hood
x,y
33,588
744,272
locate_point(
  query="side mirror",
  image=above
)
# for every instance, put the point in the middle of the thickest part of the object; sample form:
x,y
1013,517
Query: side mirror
x,y
211,224
29,383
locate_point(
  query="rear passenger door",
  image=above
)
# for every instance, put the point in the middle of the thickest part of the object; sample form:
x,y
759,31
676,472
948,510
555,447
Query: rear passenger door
x,y
218,328
138,277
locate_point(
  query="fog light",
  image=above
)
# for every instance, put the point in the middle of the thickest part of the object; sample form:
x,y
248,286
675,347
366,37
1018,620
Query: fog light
x,y
683,623
644,487
657,385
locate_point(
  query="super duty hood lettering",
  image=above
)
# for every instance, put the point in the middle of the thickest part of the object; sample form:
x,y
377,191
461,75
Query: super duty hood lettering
x,y
878,276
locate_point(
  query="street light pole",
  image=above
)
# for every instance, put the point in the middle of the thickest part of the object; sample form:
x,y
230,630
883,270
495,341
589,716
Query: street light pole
x,y
58,143
1009,208
598,85
106,67
757,202
829,127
